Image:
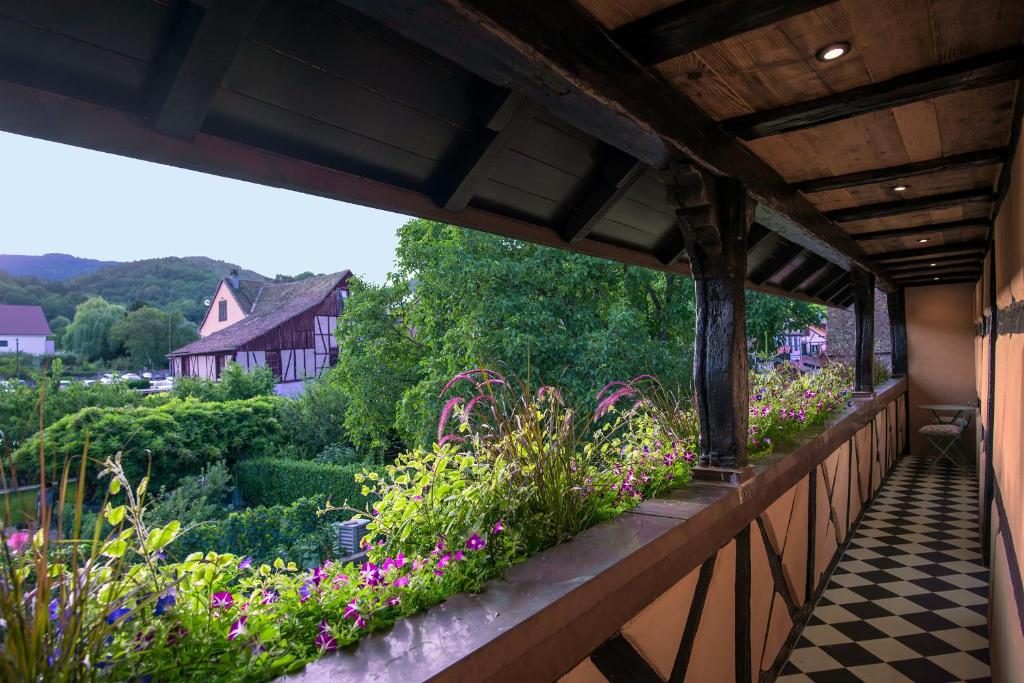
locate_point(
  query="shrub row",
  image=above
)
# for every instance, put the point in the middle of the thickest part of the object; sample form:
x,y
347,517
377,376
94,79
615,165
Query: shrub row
x,y
277,481
181,436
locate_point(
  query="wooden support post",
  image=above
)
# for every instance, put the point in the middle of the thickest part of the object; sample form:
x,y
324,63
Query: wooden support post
x,y
714,215
898,331
864,309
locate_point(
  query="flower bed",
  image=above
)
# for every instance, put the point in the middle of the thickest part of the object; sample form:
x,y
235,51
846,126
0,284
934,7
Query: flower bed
x,y
514,471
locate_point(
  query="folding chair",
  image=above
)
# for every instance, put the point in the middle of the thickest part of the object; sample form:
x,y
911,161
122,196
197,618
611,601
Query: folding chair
x,y
945,441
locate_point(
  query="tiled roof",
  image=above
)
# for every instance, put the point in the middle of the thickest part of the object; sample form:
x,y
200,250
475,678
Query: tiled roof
x,y
28,320
269,304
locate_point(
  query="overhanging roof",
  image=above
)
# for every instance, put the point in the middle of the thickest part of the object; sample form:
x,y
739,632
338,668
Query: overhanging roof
x,y
549,121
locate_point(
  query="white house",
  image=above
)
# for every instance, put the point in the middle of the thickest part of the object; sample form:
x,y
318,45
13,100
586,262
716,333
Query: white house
x,y
24,328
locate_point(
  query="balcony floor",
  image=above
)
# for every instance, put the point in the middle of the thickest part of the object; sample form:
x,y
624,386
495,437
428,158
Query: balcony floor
x,y
908,600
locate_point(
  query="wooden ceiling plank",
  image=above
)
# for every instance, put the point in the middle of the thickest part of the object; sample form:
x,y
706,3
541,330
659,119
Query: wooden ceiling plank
x,y
983,157
942,201
838,285
831,276
559,56
195,62
926,252
776,263
618,173
932,272
940,262
973,72
799,276
465,176
691,25
941,281
928,228
756,235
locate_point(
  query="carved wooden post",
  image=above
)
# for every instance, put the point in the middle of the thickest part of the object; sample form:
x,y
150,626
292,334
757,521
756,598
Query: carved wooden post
x,y
864,309
898,331
714,215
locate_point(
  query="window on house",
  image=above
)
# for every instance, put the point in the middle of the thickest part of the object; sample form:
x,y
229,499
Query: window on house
x,y
222,311
3,343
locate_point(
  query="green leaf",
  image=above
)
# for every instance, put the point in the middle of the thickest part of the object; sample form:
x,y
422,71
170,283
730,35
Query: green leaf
x,y
115,548
158,538
115,487
116,515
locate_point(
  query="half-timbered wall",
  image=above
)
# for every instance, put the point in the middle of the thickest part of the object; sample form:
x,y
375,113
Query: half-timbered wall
x,y
736,616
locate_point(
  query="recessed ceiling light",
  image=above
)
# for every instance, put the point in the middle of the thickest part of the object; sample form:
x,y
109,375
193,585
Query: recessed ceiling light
x,y
900,188
833,51
932,264
936,278
922,240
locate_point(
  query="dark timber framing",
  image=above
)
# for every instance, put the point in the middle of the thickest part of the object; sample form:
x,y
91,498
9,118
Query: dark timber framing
x,y
864,310
984,157
973,72
931,281
688,26
802,273
939,201
896,303
497,135
715,234
784,256
950,226
195,62
560,57
975,246
618,173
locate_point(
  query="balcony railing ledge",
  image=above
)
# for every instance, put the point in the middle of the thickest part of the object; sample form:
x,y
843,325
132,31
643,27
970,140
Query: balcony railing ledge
x,y
553,610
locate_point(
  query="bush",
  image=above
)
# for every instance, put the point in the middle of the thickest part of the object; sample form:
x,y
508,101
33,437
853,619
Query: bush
x,y
278,481
183,437
315,419
294,533
197,498
138,384
236,384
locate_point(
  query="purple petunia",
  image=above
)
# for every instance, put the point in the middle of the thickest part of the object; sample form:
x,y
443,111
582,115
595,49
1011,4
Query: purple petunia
x,y
352,609
119,614
245,563
269,597
393,601
474,542
498,527
401,581
370,574
222,600
237,628
164,602
325,641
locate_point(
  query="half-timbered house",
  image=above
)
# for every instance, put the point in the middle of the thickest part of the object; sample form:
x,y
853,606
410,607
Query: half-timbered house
x,y
286,326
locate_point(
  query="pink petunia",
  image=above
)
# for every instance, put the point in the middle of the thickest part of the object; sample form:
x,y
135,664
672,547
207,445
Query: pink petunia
x,y
498,527
222,600
237,628
401,581
325,641
475,542
18,540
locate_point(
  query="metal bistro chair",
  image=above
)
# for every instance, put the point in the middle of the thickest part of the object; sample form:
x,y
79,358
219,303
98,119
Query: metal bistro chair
x,y
944,438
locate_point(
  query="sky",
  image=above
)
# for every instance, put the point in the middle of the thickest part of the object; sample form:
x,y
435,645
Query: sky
x,y
58,198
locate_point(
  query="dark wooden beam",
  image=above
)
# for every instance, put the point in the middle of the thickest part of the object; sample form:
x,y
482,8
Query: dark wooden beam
x,y
691,25
842,295
847,300
776,263
194,63
933,272
930,282
950,226
833,274
939,201
837,286
718,259
927,252
896,304
812,265
864,310
559,56
984,157
618,173
1003,182
757,233
463,178
974,72
939,261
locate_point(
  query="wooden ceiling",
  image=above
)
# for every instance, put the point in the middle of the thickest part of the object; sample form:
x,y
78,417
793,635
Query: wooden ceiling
x,y
553,122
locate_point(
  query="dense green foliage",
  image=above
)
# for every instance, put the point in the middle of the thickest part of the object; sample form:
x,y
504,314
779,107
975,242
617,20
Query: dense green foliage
x,y
235,385
178,284
278,481
180,437
91,332
19,408
52,266
148,334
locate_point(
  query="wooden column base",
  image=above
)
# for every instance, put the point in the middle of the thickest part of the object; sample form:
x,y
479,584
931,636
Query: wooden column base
x,y
864,394
734,476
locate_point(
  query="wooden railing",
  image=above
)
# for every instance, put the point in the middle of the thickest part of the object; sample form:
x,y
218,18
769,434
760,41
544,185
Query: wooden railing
x,y
710,582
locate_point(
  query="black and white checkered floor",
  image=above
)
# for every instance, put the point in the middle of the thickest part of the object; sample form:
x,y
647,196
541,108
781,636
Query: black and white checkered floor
x,y
908,601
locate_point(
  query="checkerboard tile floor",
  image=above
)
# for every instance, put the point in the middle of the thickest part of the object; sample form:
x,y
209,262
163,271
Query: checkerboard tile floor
x,y
908,601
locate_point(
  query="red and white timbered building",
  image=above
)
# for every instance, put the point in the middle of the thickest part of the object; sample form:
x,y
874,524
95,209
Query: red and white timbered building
x,y
286,326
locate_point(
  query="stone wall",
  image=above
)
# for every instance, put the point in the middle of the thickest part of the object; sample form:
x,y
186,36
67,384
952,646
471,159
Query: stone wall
x,y
841,339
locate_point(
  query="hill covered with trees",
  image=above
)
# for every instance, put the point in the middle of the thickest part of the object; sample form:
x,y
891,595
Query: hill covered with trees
x,y
175,284
50,266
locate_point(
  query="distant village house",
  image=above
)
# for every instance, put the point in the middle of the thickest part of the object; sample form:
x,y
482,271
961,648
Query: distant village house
x,y
286,326
24,329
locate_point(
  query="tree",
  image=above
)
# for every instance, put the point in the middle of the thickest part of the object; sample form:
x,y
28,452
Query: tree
x,y
768,318
90,333
59,326
148,334
533,312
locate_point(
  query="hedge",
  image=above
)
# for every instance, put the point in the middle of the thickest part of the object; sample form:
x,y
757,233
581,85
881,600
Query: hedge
x,y
294,533
183,436
280,481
